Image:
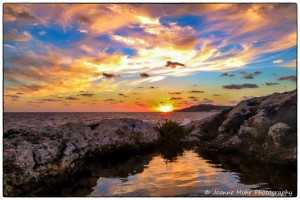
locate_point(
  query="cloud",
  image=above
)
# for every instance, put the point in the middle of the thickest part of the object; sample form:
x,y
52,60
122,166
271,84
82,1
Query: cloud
x,y
240,86
123,95
196,91
152,87
86,94
108,100
292,64
216,95
250,75
227,74
174,64
144,75
269,84
12,96
14,36
42,33
109,75
175,98
50,100
176,93
112,101
20,93
278,61
32,87
12,14
193,98
289,78
72,98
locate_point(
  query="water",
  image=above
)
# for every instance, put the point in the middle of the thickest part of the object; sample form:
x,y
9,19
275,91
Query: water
x,y
23,120
164,171
176,171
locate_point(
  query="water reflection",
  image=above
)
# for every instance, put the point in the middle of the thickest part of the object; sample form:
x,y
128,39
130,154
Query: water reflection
x,y
174,171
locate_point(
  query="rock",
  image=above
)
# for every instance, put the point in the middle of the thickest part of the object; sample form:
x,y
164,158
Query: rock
x,y
278,132
38,154
264,127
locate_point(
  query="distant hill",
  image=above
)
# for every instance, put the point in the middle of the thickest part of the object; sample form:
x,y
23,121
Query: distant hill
x,y
202,108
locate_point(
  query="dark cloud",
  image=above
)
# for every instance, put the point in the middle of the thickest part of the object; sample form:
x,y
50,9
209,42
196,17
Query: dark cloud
x,y
216,95
50,100
152,87
176,98
144,75
72,98
193,98
269,84
18,15
140,87
174,64
196,91
19,93
86,94
256,73
176,93
110,75
287,78
34,102
227,74
112,101
29,61
250,75
123,95
240,86
84,19
108,100
32,87
134,93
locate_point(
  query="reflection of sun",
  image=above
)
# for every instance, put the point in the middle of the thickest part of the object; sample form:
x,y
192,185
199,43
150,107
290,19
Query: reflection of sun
x,y
165,108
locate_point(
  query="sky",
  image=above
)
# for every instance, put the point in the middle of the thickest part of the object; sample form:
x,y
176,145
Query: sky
x,y
140,57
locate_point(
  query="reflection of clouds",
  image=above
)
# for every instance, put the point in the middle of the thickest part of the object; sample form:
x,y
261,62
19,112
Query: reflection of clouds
x,y
190,174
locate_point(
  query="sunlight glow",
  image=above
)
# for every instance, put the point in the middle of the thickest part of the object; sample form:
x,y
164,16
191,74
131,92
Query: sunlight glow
x,y
165,108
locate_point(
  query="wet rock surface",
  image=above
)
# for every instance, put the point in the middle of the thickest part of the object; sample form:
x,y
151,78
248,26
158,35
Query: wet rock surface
x,y
33,155
264,127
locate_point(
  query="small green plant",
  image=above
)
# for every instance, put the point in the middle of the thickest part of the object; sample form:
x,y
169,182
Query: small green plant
x,y
171,130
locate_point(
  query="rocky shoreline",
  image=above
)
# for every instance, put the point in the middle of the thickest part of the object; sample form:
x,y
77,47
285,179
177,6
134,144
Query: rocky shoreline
x,y
262,127
33,155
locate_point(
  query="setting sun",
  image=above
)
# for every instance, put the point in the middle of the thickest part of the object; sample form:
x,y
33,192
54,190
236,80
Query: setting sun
x,y
166,108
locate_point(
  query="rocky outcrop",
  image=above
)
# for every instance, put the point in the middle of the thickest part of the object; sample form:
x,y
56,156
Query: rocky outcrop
x,y
33,155
262,126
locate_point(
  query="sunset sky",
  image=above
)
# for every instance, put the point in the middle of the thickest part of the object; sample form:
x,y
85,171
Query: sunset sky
x,y
137,57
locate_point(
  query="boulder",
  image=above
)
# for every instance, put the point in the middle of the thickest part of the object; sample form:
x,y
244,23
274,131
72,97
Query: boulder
x,y
48,153
264,127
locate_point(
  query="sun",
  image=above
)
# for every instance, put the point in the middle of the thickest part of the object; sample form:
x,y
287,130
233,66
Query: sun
x,y
165,108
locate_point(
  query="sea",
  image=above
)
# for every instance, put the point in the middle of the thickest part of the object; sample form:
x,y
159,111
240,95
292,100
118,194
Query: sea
x,y
40,119
166,171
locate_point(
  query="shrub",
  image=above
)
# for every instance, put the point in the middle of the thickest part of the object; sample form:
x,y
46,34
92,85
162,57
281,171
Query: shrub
x,y
171,130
